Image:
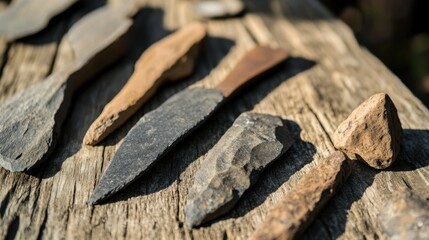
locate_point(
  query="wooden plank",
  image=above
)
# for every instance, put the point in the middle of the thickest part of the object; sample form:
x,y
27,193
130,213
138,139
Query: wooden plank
x,y
329,75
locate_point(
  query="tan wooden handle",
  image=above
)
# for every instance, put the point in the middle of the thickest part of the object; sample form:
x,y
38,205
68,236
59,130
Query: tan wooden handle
x,y
255,62
172,58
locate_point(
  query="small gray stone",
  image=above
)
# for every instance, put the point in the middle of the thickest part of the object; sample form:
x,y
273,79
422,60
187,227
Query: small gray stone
x,y
405,216
234,164
30,121
154,135
23,18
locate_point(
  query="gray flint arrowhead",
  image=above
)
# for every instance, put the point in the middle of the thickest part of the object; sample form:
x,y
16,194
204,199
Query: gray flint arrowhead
x,y
154,135
234,164
30,121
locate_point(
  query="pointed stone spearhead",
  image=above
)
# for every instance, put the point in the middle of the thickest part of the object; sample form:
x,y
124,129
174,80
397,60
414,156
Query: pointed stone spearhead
x,y
372,133
234,164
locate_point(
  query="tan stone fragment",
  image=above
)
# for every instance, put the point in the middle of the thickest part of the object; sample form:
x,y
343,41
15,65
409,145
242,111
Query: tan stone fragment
x,y
372,133
170,59
298,208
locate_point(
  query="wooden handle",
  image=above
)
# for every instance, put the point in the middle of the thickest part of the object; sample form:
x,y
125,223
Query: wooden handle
x,y
172,58
255,62
294,213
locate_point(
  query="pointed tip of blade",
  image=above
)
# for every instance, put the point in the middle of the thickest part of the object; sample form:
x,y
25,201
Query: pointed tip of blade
x,y
193,215
93,199
97,196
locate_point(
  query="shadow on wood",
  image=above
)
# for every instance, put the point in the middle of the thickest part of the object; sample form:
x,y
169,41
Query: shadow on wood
x,y
209,133
413,154
306,10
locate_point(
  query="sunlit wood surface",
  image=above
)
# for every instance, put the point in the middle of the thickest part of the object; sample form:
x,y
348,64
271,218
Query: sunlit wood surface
x,y
328,75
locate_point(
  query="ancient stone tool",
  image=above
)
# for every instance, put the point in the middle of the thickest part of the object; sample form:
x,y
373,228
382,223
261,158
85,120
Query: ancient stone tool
x,y
23,17
30,121
170,59
218,8
372,133
234,164
405,216
158,131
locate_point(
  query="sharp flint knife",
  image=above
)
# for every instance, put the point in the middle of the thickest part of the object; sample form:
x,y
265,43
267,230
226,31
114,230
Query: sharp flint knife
x,y
158,131
30,120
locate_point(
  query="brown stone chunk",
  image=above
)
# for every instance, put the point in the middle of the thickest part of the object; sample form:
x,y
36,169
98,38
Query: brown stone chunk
x,y
170,59
294,213
405,216
372,133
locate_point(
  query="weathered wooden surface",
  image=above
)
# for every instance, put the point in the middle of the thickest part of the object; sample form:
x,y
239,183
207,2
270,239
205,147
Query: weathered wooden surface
x,y
329,75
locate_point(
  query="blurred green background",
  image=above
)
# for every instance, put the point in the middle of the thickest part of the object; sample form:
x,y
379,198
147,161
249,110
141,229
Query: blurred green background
x,y
396,31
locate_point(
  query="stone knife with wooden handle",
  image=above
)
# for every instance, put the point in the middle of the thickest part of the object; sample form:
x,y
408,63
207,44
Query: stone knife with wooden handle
x,y
30,121
170,59
158,131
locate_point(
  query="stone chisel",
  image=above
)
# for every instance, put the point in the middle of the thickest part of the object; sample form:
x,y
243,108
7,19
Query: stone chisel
x,y
30,120
234,164
170,59
158,131
25,17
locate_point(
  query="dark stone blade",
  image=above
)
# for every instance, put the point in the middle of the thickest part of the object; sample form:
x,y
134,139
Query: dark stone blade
x,y
154,135
30,121
234,164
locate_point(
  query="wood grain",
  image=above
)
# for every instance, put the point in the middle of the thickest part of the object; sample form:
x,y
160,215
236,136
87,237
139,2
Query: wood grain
x,y
328,76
